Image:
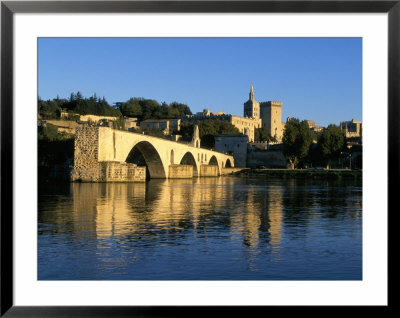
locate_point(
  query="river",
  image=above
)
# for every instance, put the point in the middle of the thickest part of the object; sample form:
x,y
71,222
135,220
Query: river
x,y
225,228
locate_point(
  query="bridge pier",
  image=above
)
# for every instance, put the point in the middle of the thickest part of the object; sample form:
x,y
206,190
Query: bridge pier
x,y
209,171
180,172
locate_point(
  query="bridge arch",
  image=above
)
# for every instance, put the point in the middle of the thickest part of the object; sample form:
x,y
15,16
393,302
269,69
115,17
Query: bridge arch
x,y
228,164
213,161
150,157
188,159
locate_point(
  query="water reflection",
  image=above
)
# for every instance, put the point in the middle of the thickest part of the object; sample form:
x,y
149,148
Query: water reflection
x,y
239,224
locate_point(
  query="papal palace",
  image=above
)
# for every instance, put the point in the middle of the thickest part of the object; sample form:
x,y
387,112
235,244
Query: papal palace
x,y
267,115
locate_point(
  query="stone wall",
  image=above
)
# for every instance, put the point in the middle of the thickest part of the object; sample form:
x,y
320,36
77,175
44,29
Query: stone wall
x,y
246,125
226,171
67,126
180,171
271,115
86,165
96,118
268,159
236,144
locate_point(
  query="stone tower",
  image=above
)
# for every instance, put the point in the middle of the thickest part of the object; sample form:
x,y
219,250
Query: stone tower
x,y
196,137
271,116
251,107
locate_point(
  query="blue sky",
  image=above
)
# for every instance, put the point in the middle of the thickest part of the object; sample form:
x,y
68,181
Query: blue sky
x,y
315,78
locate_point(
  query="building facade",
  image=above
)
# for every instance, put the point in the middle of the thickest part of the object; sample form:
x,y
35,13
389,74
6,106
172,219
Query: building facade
x,y
235,145
271,116
166,125
352,129
251,108
245,125
268,114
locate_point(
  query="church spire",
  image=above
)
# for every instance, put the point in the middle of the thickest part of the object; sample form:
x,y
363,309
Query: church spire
x,y
251,95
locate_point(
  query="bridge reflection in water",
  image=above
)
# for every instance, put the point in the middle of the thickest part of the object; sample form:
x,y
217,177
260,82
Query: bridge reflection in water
x,y
161,212
202,228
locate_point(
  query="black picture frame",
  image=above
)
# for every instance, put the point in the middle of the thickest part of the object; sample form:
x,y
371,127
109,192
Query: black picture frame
x,y
9,8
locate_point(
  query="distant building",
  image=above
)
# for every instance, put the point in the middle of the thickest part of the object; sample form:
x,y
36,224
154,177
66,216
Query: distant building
x,y
64,114
314,127
352,129
251,108
268,113
166,125
246,126
96,118
235,145
130,123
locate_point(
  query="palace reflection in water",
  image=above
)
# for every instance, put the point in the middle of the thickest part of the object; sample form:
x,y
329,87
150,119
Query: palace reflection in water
x,y
205,228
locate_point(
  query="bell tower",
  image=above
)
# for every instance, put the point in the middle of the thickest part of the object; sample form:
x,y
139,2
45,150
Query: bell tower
x,y
251,107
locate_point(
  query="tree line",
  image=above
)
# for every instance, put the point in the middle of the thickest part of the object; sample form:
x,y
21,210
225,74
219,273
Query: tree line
x,y
302,148
76,104
143,109
140,108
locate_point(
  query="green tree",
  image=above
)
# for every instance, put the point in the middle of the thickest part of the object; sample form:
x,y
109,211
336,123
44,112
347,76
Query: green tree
x,y
53,148
143,109
131,108
186,131
149,108
207,141
297,139
332,143
182,109
260,135
48,109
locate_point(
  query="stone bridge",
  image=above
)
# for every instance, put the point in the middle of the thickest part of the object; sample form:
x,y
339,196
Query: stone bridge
x,y
102,154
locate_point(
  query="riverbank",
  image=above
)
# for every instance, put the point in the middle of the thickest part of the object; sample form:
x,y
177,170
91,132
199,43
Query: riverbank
x,y
301,173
